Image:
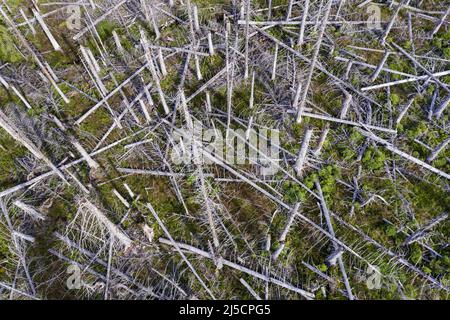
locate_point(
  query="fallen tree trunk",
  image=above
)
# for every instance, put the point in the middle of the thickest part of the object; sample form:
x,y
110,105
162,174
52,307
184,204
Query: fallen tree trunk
x,y
306,294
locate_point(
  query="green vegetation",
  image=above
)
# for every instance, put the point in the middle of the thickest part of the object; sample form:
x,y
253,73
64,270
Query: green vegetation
x,y
8,50
376,199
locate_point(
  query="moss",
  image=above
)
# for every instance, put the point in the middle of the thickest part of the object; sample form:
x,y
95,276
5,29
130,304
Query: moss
x,y
322,267
59,210
438,42
8,50
395,99
348,154
293,192
373,158
58,59
6,255
297,129
9,153
13,4
415,130
398,63
327,178
391,231
416,253
191,179
430,199
446,53
211,65
440,162
427,270
356,137
105,29
97,122
241,98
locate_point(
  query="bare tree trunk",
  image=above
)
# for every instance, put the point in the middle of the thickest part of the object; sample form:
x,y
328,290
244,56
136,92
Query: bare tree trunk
x,y
335,245
300,162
